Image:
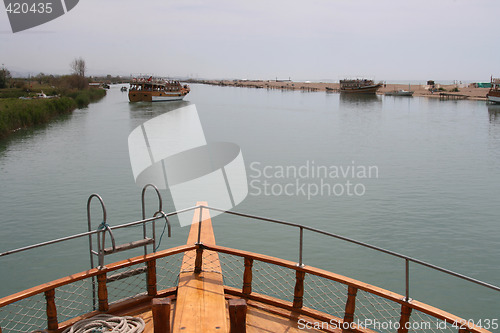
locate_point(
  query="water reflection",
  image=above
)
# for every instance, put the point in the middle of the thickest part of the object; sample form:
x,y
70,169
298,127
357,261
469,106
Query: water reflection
x,y
494,113
150,109
356,100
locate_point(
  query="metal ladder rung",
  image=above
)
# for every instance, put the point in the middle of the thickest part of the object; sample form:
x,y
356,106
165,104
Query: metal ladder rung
x,y
128,246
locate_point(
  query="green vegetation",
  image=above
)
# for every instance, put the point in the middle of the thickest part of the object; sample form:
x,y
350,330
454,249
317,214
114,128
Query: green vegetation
x,y
16,113
19,107
4,77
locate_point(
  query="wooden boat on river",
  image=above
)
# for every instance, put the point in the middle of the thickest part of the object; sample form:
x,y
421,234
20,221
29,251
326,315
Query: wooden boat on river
x,y
359,86
205,287
156,90
494,93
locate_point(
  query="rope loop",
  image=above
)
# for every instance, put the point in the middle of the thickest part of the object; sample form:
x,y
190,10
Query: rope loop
x,y
108,323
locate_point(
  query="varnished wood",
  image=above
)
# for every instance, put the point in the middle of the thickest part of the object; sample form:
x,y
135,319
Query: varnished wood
x,y
90,273
199,259
211,271
255,299
267,318
121,308
404,319
389,295
350,306
298,294
237,315
151,277
161,315
247,277
52,323
102,292
200,304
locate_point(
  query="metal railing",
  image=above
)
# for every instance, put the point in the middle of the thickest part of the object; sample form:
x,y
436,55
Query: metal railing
x,y
407,259
301,228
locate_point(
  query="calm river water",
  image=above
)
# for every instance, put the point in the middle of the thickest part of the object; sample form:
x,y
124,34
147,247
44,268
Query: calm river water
x,y
426,184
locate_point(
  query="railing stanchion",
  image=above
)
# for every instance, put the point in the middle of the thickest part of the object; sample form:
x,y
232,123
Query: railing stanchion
x,y
102,292
151,277
198,262
407,269
404,319
247,277
350,306
301,246
199,224
52,323
298,295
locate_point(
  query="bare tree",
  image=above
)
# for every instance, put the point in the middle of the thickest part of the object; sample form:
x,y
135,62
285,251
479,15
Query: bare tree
x,y
78,67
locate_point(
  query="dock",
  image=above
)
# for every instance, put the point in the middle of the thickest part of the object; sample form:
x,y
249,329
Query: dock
x,y
447,96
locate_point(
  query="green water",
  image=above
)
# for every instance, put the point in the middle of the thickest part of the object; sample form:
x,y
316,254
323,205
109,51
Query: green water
x,y
435,194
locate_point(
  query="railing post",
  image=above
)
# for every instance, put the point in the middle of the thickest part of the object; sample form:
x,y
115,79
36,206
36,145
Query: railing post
x,y
407,276
161,315
52,323
301,246
237,315
198,261
151,277
199,249
102,292
247,277
350,306
299,289
404,319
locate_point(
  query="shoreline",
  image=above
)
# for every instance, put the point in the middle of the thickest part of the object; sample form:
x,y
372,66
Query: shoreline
x,y
465,92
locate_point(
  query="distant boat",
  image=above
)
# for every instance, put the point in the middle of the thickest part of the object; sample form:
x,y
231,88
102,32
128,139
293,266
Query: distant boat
x,y
400,92
156,90
494,93
359,86
123,88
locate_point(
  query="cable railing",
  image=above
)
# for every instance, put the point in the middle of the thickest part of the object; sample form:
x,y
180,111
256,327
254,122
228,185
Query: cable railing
x,y
301,228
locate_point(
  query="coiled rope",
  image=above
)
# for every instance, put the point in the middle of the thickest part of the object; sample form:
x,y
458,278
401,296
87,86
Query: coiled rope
x,y
108,323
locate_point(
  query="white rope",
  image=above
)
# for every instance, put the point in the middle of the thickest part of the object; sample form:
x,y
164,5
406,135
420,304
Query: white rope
x,y
108,323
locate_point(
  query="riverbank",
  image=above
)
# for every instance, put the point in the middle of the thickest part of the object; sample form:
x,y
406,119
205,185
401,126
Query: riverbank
x,y
419,90
18,113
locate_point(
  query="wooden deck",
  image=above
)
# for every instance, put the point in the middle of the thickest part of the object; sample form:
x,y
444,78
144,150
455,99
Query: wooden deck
x,y
201,305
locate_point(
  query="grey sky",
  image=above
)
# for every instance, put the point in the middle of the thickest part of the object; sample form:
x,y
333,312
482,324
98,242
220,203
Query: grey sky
x,y
304,40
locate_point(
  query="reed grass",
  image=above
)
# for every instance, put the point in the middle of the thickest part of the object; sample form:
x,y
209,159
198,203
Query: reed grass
x,y
18,113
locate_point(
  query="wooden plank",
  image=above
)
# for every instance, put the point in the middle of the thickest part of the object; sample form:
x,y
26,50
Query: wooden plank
x,y
161,314
200,304
237,315
90,273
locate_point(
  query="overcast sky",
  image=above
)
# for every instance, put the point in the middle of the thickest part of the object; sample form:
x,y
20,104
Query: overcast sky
x,y
304,40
